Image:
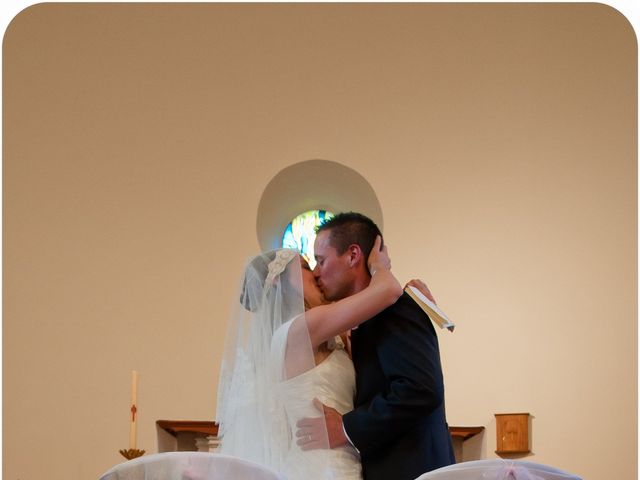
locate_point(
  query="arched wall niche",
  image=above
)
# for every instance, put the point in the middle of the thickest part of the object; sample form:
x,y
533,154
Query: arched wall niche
x,y
309,185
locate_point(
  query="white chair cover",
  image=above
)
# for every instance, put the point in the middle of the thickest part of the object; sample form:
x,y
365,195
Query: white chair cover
x,y
497,469
189,466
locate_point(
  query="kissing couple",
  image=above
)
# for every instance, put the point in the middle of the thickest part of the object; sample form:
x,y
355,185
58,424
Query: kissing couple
x,y
333,373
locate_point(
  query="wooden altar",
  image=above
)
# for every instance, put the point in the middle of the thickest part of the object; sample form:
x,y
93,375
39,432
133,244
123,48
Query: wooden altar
x,y
196,435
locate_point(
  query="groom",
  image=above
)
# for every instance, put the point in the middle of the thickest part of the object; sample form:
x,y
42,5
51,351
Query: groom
x,y
398,423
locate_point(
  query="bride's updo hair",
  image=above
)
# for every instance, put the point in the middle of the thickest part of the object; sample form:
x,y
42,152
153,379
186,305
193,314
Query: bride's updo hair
x,y
257,273
254,276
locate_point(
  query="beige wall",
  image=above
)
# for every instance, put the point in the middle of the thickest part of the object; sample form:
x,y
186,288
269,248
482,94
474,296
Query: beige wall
x,y
500,140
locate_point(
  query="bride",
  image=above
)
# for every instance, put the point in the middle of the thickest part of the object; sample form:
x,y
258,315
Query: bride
x,y
284,353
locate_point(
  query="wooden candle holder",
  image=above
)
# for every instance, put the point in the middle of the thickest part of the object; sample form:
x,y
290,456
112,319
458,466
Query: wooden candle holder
x,y
131,453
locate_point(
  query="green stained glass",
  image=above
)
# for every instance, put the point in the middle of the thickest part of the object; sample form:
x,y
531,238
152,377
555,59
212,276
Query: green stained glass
x,y
301,233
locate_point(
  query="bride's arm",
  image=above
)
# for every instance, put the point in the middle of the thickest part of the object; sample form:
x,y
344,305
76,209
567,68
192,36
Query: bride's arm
x,y
327,321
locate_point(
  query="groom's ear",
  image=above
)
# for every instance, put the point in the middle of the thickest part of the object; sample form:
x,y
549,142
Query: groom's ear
x,y
355,255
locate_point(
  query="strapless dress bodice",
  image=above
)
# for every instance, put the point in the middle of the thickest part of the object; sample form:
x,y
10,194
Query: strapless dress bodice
x,y
333,383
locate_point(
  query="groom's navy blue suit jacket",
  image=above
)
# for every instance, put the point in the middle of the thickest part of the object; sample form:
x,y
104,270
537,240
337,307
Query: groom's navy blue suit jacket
x,y
398,422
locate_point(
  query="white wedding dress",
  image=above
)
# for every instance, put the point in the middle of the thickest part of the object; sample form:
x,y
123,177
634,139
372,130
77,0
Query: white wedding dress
x,y
333,383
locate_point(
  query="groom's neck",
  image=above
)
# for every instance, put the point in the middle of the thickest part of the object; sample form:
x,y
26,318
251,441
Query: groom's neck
x,y
361,282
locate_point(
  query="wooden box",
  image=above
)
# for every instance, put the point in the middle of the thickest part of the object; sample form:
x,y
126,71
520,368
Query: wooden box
x,y
512,433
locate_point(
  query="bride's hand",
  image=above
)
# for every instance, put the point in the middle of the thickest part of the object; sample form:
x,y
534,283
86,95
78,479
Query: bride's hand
x,y
379,257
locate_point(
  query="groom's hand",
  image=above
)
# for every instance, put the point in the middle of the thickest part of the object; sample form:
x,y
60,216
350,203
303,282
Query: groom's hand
x,y
311,431
420,285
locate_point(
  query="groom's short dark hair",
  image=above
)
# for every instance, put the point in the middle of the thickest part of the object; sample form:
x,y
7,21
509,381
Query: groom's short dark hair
x,y
350,228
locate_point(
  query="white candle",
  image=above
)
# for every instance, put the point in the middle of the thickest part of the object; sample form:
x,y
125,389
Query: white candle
x,y
134,410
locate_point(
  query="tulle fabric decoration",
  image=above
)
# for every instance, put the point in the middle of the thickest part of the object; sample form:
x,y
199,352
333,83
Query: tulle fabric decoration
x,y
190,466
251,412
496,469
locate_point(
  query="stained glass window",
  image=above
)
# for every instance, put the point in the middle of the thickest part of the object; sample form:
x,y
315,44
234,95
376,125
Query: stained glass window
x,y
301,233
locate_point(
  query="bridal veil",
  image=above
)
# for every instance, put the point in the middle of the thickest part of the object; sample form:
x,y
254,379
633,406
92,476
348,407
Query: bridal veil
x,y
267,344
